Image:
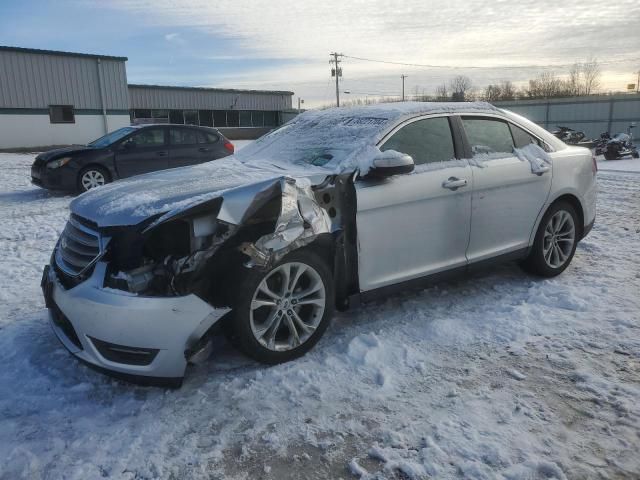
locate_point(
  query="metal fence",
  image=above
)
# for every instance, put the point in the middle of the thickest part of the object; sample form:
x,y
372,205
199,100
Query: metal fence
x,y
592,115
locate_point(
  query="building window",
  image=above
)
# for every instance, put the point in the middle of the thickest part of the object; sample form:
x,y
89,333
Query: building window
x,y
191,117
233,118
219,118
270,119
61,114
206,118
176,116
245,118
257,119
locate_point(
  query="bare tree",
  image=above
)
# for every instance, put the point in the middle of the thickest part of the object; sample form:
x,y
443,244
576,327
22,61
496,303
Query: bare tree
x,y
507,90
574,83
492,93
591,75
460,85
442,94
546,85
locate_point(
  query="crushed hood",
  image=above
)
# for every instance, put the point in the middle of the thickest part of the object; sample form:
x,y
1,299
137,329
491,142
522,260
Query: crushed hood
x,y
131,201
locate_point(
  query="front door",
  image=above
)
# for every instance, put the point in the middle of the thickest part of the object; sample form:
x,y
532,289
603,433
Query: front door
x,y
507,194
144,151
416,224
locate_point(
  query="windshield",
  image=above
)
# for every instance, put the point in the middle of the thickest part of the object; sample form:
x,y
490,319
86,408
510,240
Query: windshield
x,y
112,137
333,139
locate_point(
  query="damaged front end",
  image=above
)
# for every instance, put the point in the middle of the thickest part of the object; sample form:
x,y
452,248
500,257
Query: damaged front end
x,y
203,249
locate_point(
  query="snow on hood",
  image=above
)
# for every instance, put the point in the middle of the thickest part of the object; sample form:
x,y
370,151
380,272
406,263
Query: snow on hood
x,y
131,201
314,144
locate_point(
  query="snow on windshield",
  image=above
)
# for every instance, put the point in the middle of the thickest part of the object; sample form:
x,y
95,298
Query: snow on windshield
x,y
339,139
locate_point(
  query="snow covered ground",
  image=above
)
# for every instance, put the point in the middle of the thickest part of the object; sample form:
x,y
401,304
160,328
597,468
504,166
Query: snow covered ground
x,y
498,375
626,164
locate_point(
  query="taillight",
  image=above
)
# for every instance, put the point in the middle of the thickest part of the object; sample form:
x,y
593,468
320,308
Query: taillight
x,y
594,163
229,146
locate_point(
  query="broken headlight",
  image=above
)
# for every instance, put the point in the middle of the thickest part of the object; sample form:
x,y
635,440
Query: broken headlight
x,y
172,255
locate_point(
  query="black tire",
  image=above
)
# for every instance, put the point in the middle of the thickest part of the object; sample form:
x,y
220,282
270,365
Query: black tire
x,y
609,155
536,263
239,327
635,154
95,168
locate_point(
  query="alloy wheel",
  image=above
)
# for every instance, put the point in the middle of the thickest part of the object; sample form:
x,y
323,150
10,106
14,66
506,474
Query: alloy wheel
x,y
559,238
92,179
287,306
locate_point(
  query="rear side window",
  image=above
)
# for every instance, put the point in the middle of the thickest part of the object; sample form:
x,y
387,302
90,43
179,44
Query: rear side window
x,y
488,137
183,136
207,137
427,141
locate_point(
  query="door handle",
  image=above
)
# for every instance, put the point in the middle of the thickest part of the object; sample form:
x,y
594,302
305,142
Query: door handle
x,y
204,149
454,183
162,154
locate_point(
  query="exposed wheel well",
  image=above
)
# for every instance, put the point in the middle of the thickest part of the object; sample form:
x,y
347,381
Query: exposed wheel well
x,y
575,203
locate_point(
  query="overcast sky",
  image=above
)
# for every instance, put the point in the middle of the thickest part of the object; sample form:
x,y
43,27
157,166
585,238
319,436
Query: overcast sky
x,y
286,44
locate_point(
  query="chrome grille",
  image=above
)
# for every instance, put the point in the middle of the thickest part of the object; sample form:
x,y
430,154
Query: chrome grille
x,y
79,248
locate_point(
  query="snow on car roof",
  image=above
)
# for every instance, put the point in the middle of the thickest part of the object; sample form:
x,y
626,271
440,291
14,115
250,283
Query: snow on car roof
x,y
342,139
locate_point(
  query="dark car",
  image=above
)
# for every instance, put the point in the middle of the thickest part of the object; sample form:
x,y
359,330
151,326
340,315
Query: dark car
x,y
126,152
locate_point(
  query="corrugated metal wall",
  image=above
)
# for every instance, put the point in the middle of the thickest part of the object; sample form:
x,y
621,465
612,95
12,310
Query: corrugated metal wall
x,y
592,115
34,80
147,97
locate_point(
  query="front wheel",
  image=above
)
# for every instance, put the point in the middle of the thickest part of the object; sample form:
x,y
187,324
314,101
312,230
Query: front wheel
x,y
281,314
555,242
92,177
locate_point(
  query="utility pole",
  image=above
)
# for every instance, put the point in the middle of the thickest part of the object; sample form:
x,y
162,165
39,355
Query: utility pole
x,y
336,71
403,76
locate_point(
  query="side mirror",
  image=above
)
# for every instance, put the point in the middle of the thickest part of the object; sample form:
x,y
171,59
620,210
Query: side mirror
x,y
390,162
127,145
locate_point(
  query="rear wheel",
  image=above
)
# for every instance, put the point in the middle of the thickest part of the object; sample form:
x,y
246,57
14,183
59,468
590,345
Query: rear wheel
x,y
92,177
555,242
282,313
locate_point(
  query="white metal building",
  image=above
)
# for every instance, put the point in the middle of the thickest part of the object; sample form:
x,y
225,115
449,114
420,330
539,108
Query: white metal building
x,y
52,98
59,98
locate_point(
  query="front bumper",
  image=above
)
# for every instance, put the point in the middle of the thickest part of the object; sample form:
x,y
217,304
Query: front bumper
x,y
143,338
63,178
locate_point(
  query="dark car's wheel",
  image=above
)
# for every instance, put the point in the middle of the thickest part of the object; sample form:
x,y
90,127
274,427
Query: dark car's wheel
x,y
92,177
281,314
635,154
610,155
555,242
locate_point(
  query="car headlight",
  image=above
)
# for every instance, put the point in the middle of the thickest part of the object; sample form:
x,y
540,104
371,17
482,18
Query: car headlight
x,y
59,162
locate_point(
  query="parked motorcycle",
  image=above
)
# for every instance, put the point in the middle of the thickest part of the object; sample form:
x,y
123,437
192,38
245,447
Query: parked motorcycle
x,y
568,135
620,145
601,144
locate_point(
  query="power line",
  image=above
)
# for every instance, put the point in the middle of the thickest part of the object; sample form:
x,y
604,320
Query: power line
x,y
496,67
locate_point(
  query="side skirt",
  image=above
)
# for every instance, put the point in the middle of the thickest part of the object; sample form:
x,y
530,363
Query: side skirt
x,y
420,283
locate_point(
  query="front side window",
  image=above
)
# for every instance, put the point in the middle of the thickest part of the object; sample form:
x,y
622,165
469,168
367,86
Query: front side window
x,y
61,114
148,137
427,141
183,136
522,138
488,136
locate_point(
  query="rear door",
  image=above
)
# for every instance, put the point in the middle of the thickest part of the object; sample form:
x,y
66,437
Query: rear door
x,y
143,151
184,147
507,195
210,146
415,224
